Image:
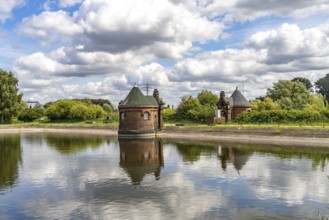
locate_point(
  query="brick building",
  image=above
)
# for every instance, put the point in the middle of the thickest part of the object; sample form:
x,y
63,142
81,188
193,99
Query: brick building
x,y
230,107
140,115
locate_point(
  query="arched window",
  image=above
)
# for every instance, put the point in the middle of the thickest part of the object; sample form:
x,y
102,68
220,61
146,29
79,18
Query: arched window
x,y
146,116
122,115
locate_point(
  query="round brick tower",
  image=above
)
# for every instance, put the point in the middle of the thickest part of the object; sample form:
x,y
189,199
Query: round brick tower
x,y
139,115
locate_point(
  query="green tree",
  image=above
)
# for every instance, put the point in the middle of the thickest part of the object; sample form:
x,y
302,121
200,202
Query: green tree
x,y
322,86
317,103
78,111
307,83
108,108
289,94
189,108
74,110
30,114
169,114
266,104
60,110
207,98
10,99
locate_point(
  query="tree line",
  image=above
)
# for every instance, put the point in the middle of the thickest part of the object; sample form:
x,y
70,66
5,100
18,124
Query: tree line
x,y
287,101
13,107
295,100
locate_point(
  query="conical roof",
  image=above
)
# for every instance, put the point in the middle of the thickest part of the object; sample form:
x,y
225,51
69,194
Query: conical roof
x,y
136,98
239,100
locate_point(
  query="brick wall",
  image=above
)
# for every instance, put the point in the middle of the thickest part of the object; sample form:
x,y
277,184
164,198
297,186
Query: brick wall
x,y
134,121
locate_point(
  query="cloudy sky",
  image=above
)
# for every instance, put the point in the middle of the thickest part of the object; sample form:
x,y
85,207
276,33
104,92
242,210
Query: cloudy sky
x,y
100,48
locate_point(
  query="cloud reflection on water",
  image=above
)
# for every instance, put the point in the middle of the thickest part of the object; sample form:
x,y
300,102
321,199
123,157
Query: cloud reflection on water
x,y
195,182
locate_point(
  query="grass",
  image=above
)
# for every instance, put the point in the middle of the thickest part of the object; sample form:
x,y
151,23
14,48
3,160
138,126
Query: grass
x,y
100,123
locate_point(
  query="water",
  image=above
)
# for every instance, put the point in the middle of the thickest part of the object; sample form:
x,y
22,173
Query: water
x,y
79,176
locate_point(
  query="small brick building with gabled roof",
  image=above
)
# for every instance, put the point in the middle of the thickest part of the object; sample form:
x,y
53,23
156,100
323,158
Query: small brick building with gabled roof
x,y
232,106
240,103
139,114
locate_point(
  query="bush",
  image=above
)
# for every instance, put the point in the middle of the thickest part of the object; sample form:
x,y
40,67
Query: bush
x,y
282,116
30,114
74,110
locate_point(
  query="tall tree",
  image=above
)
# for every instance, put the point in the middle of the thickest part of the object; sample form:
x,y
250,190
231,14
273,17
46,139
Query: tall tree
x,y
207,98
307,83
289,94
265,104
188,108
10,99
322,86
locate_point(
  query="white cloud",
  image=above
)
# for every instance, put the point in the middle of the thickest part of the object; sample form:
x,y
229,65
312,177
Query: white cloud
x,y
160,27
68,3
242,10
6,8
49,26
289,43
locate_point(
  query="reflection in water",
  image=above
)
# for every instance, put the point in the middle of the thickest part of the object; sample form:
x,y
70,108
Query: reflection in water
x,y
10,157
199,180
192,152
140,157
237,156
73,143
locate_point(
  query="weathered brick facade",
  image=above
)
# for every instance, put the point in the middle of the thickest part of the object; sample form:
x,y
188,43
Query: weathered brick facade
x,y
134,122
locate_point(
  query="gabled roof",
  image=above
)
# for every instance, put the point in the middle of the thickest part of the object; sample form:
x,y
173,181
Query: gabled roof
x,y
239,100
136,98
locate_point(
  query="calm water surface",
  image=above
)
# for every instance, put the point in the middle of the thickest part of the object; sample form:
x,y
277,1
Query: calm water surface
x,y
72,176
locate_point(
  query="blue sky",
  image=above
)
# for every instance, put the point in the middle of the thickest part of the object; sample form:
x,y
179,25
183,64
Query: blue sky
x,y
100,48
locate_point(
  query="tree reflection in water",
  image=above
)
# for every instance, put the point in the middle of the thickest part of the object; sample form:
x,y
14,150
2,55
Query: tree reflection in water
x,y
73,143
192,152
10,158
237,156
140,157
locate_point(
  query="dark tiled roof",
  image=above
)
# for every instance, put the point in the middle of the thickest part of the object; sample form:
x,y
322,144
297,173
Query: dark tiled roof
x,y
152,100
230,100
136,98
239,100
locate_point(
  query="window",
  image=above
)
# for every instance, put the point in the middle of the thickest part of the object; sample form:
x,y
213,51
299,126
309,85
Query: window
x,y
146,116
122,115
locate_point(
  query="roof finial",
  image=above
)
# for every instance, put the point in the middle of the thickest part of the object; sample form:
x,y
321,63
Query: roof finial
x,y
135,85
236,88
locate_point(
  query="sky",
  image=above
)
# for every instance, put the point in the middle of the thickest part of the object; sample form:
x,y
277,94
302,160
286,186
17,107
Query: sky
x,y
62,49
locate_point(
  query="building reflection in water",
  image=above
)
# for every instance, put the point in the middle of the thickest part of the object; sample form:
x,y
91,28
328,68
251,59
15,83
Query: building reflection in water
x,y
237,156
10,158
140,157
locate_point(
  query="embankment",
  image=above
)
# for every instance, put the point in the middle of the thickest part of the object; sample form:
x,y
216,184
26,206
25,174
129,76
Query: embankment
x,y
311,137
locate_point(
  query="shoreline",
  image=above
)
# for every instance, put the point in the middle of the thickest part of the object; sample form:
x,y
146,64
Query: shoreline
x,y
271,136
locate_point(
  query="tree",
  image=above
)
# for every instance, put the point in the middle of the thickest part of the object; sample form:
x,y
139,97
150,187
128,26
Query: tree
x,y
107,108
289,94
322,86
188,108
265,104
10,99
307,83
30,114
207,98
317,103
74,110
